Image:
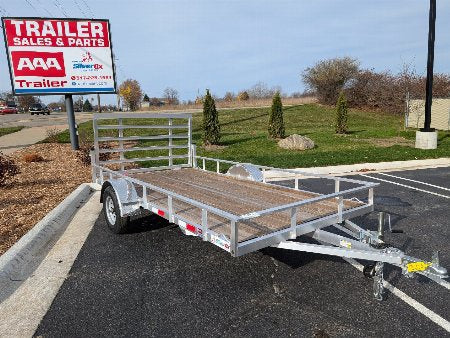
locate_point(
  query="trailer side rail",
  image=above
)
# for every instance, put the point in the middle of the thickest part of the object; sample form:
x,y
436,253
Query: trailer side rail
x,y
182,123
175,135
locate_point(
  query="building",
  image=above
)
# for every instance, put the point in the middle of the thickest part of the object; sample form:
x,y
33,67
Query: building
x,y
440,114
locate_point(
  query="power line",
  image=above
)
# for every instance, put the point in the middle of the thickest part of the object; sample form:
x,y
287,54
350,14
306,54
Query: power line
x,y
60,7
79,7
31,5
4,11
43,7
89,8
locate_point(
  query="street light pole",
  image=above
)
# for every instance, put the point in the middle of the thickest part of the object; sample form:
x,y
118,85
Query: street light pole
x,y
426,137
430,63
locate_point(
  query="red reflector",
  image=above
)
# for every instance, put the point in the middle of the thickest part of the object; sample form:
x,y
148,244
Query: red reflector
x,y
190,227
160,212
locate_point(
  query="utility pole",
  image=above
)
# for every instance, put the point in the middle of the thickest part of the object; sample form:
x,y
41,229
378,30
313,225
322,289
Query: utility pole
x,y
426,138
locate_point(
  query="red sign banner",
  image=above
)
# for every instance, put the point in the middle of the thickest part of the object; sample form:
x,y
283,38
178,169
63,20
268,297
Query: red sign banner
x,y
56,33
38,64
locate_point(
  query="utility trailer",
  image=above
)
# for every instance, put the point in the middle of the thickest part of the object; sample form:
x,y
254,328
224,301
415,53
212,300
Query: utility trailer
x,y
238,207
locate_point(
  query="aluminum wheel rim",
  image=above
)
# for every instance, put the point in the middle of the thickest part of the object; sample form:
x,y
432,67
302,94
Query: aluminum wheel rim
x,y
110,210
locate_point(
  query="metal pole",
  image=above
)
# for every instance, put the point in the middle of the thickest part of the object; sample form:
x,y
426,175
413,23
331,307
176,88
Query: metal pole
x,y
72,125
381,221
99,108
430,61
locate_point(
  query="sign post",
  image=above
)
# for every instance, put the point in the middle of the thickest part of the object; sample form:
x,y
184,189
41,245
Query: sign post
x,y
48,56
71,120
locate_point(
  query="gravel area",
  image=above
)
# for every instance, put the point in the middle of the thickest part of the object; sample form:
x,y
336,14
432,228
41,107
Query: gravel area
x,y
38,188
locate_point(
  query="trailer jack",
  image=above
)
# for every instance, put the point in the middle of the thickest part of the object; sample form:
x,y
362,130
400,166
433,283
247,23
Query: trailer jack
x,y
368,246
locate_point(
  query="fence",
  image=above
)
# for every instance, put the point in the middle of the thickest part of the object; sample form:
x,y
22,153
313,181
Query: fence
x,y
415,113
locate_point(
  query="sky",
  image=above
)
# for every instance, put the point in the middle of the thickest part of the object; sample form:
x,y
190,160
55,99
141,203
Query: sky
x,y
191,45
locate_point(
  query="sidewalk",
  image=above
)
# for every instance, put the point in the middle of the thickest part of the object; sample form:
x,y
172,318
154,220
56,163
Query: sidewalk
x,y
358,168
25,137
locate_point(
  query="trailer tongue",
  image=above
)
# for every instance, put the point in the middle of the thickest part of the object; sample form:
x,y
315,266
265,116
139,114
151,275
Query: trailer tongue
x,y
235,206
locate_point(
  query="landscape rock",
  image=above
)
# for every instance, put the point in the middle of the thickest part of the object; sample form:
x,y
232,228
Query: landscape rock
x,y
296,142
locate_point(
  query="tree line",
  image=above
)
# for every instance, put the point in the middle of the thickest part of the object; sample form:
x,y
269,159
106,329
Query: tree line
x,y
367,88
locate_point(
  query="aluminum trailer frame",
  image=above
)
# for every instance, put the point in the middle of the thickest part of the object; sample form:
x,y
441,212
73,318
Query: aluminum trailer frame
x,y
132,197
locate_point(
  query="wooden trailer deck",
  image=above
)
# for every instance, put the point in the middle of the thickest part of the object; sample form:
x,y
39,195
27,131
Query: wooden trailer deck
x,y
236,196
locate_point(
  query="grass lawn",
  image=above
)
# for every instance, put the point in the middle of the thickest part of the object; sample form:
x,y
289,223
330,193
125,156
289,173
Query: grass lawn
x,y
9,130
372,137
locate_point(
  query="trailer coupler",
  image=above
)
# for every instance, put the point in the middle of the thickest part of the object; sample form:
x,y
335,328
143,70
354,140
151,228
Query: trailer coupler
x,y
340,246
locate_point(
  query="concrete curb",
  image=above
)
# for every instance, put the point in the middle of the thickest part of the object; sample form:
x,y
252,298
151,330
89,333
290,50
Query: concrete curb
x,y
356,169
23,310
36,243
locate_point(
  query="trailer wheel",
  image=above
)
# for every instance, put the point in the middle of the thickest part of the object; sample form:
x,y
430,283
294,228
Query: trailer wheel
x,y
369,271
115,222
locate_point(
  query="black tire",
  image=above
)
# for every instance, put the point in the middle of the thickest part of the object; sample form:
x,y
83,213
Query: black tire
x,y
32,113
120,225
369,271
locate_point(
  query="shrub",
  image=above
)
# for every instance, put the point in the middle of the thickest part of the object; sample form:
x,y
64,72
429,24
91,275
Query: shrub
x,y
154,101
329,77
276,123
211,127
243,96
53,135
84,153
341,115
86,145
32,157
387,92
8,169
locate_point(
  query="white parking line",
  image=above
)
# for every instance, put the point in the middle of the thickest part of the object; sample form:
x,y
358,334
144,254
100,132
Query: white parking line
x,y
408,300
420,182
407,186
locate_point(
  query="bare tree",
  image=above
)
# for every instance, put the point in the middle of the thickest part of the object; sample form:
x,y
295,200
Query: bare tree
x,y
171,95
261,91
26,101
329,77
229,96
7,96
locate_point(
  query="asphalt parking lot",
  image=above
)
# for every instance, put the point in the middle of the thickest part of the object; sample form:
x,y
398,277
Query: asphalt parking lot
x,y
156,282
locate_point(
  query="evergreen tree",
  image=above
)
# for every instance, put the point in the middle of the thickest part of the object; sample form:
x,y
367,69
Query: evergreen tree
x,y
87,106
276,124
146,98
211,127
341,115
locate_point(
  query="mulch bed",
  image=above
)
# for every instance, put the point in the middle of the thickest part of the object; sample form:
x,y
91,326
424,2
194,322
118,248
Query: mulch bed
x,y
39,187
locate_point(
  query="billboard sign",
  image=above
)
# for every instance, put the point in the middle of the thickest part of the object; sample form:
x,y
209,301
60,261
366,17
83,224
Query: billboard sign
x,y
59,56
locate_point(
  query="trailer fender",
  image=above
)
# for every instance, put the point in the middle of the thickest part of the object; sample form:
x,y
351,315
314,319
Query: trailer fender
x,y
129,201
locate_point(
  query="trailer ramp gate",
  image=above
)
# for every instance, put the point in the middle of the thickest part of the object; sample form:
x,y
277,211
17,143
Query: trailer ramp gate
x,y
150,162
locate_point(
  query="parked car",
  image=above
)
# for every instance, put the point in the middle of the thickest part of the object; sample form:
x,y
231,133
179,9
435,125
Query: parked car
x,y
8,110
39,108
